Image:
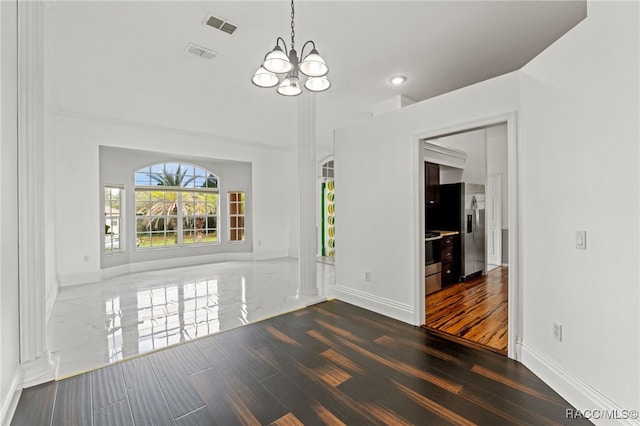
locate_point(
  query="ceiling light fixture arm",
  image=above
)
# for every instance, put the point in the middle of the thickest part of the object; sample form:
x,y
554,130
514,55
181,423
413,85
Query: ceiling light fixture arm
x,y
305,45
280,39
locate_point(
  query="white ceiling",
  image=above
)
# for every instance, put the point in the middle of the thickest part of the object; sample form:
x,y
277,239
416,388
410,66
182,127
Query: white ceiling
x,y
127,60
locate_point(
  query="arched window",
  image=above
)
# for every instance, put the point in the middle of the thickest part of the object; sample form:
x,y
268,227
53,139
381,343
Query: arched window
x,y
176,205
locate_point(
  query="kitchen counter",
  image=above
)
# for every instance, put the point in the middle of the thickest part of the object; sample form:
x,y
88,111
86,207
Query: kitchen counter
x,y
445,233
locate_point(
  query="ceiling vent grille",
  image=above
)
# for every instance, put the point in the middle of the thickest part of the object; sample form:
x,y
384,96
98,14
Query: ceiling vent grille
x,y
200,51
220,24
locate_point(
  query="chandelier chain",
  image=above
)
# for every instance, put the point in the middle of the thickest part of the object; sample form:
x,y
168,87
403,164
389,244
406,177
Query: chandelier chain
x,y
293,31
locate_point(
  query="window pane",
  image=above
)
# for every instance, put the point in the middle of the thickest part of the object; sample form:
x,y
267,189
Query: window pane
x,y
112,215
160,211
171,168
236,216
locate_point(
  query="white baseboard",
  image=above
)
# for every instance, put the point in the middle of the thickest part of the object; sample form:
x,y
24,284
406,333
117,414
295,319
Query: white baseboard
x,y
574,389
75,278
10,399
70,279
271,254
391,308
178,262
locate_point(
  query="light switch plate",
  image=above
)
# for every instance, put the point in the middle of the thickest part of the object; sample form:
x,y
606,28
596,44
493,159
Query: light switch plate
x,y
581,240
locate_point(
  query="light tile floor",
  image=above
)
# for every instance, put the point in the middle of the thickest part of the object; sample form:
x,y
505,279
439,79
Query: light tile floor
x,y
96,324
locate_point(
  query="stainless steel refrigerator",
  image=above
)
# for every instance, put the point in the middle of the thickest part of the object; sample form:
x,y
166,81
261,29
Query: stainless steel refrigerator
x,y
462,209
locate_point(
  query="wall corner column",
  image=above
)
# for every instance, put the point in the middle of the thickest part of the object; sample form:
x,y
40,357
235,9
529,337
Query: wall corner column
x,y
35,358
307,194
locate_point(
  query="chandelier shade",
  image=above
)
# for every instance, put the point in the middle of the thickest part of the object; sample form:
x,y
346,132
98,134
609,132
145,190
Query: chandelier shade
x,y
276,61
313,65
290,86
317,84
264,78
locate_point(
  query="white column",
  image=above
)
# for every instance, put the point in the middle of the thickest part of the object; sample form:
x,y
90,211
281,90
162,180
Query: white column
x,y
35,358
307,193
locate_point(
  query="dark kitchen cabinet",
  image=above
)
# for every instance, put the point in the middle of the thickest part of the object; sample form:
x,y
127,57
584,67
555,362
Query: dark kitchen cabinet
x,y
449,247
432,183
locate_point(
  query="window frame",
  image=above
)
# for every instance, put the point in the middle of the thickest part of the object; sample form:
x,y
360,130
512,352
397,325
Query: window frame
x,y
178,194
109,218
237,215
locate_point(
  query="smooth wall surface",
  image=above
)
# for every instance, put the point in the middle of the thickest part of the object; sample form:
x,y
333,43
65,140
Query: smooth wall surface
x,y
77,181
498,163
475,166
378,189
9,299
580,131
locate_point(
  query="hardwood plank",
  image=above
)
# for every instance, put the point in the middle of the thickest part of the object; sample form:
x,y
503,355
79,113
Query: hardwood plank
x,y
212,389
249,401
330,398
244,391
147,402
512,383
405,368
288,420
441,411
246,354
178,391
118,413
190,358
35,406
298,402
107,386
200,417
73,402
476,310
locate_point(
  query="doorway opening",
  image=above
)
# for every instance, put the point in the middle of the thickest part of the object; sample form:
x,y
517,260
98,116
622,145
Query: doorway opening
x,y
467,209
326,228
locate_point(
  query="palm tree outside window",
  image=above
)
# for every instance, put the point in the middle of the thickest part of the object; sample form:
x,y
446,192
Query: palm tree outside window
x,y
176,205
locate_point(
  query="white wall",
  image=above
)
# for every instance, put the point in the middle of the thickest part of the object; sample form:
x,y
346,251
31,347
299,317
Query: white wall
x,y
378,220
77,182
580,136
9,299
497,163
474,143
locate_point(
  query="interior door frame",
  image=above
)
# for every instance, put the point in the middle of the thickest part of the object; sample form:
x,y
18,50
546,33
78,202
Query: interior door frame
x,y
497,214
515,218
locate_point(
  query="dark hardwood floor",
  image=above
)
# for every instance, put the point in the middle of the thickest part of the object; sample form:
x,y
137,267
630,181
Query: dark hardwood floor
x,y
331,363
476,310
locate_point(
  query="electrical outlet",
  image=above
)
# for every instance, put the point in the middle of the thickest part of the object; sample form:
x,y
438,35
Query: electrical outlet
x,y
367,276
581,240
557,331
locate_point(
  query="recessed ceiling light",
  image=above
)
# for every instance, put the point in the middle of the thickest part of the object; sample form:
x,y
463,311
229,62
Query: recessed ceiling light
x,y
397,80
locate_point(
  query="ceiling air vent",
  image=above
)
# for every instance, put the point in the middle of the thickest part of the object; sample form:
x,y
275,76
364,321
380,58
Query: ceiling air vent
x,y
200,51
220,24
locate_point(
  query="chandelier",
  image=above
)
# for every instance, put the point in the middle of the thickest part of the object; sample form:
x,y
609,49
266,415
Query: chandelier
x,y
276,62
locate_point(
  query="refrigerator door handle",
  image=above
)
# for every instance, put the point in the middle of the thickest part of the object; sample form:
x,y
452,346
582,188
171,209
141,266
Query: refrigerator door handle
x,y
474,208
